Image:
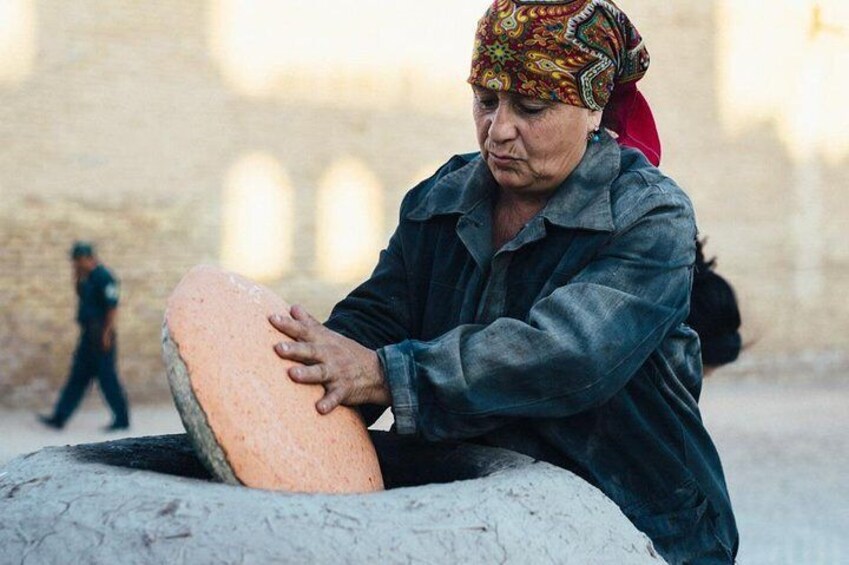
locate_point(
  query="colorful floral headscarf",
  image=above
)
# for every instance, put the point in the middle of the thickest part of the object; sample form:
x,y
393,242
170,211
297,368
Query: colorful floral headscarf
x,y
584,53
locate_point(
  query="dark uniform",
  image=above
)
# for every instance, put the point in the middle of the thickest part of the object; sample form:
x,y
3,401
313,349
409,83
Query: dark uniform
x,y
98,294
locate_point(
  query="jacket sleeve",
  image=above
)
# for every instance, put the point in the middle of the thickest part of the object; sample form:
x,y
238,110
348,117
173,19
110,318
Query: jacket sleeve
x,y
377,313
579,346
111,291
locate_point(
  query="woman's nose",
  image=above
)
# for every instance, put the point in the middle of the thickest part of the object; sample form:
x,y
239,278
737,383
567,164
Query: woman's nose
x,y
503,124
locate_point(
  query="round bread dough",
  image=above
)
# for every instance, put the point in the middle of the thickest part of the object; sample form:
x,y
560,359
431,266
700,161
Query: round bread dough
x,y
249,422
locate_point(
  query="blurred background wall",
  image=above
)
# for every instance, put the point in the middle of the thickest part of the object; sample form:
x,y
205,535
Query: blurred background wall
x,y
278,137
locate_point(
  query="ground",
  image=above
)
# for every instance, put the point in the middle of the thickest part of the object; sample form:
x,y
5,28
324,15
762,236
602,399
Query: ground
x,y
783,442
785,448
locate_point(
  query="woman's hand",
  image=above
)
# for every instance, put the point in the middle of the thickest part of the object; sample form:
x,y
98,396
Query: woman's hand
x,y
350,373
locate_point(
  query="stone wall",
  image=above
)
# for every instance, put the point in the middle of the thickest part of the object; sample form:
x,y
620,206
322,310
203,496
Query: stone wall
x,y
122,122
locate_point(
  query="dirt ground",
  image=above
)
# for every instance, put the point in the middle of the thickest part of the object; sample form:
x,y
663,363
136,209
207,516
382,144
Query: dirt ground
x,y
783,441
785,447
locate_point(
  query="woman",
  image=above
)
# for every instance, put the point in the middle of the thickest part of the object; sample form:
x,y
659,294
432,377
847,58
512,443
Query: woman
x,y
532,296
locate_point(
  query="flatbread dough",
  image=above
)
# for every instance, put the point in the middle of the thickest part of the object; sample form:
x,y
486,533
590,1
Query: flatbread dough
x,y
248,421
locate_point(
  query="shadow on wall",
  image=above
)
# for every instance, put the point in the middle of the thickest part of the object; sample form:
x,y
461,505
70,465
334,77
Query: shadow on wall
x,y
793,82
784,69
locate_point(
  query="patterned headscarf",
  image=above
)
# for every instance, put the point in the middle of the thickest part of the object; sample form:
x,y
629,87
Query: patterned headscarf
x,y
573,52
579,52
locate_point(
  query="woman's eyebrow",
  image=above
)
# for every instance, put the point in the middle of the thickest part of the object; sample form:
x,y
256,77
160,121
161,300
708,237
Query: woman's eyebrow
x,y
519,99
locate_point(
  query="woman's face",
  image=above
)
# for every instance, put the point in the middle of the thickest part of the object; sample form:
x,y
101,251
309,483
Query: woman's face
x,y
530,145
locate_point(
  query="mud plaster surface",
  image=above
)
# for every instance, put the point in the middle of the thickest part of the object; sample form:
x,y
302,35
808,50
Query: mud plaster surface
x,y
146,500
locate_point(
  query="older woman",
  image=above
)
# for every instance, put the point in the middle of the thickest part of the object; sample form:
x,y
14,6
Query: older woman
x,y
533,294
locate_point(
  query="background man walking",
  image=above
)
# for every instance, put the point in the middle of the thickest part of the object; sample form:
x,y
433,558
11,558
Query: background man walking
x,y
98,292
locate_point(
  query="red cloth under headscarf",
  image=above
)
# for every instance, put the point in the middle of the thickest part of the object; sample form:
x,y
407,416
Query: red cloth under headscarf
x,y
628,114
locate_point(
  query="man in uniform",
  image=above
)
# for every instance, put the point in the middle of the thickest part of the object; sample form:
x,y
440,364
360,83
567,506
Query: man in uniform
x,y
98,292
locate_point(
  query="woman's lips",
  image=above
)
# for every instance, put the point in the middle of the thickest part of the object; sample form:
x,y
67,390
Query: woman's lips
x,y
502,160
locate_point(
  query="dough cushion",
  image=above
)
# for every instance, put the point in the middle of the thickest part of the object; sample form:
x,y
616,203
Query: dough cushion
x,y
248,421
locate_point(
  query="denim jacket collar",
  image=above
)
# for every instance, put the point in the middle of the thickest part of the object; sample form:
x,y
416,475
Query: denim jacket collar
x,y
582,201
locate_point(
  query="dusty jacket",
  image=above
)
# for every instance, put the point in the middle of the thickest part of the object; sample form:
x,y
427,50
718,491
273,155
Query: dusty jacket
x,y
567,344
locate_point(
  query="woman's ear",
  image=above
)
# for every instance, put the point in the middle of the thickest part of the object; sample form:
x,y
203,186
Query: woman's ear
x,y
594,120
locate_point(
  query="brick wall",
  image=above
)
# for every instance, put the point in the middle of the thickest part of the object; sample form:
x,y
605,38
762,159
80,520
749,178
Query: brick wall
x,y
125,126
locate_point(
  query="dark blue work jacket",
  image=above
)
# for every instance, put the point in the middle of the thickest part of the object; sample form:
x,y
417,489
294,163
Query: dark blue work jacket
x,y
567,344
